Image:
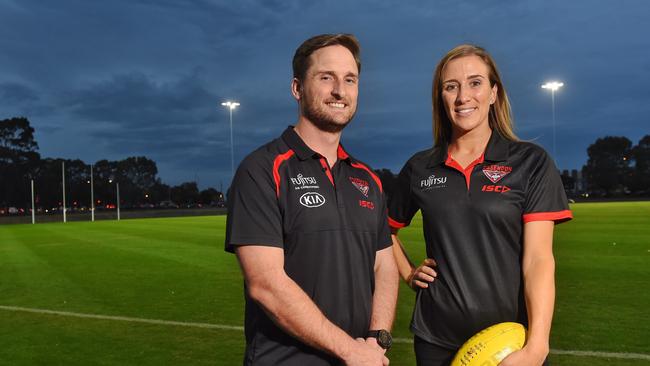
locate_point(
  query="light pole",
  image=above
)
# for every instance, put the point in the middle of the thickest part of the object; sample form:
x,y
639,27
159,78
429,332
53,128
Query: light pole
x,y
231,105
33,207
92,195
63,184
553,86
117,193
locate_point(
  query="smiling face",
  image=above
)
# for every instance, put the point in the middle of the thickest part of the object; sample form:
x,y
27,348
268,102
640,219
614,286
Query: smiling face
x,y
467,94
328,93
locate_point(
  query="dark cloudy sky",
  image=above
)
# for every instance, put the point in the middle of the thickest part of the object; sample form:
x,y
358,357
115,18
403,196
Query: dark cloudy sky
x,y
112,79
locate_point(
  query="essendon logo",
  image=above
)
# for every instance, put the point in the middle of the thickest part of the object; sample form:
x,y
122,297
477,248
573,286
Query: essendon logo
x,y
312,199
361,185
495,172
493,188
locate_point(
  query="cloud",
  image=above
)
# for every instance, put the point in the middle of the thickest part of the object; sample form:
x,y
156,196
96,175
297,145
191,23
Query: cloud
x,y
17,93
113,79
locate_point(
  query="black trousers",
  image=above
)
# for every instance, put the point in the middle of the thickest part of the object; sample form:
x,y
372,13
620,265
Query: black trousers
x,y
429,354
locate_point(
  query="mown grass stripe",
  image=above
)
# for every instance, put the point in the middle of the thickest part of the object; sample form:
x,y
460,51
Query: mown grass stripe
x,y
634,356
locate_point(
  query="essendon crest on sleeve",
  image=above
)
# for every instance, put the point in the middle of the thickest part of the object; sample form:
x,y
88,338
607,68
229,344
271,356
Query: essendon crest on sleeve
x,y
361,185
495,172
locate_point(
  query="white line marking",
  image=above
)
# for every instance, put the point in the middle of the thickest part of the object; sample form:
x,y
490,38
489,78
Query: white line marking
x,y
122,318
634,356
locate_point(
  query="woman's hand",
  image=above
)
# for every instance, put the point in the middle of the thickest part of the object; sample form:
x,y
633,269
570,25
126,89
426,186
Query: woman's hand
x,y
525,357
423,275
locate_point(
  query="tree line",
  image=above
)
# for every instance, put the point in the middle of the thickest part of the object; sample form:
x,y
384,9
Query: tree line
x,y
139,184
615,167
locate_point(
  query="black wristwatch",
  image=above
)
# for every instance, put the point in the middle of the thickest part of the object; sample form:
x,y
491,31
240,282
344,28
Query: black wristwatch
x,y
384,339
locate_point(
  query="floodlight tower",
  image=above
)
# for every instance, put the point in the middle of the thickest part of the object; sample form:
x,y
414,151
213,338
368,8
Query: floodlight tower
x,y
231,106
92,195
553,86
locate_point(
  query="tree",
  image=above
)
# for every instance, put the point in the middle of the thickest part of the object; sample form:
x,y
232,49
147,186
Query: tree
x,y
211,196
641,175
77,183
185,194
18,157
608,167
104,176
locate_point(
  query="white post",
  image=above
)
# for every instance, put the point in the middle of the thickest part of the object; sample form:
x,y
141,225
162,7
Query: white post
x,y
118,200
92,195
33,211
63,180
232,148
553,86
231,106
553,113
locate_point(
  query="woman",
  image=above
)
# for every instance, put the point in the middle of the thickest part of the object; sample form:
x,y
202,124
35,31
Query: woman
x,y
489,203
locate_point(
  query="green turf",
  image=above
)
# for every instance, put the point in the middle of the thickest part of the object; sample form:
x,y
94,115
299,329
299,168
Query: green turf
x,y
176,269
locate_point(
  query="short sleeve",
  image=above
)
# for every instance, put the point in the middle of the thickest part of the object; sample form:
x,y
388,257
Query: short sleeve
x,y
401,204
545,196
254,216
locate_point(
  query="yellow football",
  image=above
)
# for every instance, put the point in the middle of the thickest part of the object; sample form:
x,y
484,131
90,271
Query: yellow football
x,y
491,345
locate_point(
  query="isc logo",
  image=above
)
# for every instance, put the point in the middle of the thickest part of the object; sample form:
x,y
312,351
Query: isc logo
x,y
312,199
367,204
493,188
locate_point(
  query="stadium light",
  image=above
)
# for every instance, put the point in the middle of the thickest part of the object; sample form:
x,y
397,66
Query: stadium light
x,y
553,86
231,106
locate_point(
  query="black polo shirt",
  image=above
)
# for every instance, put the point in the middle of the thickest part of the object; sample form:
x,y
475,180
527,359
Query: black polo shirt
x,y
330,224
473,222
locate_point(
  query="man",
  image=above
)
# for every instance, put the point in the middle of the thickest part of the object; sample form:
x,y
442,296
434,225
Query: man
x,y
308,224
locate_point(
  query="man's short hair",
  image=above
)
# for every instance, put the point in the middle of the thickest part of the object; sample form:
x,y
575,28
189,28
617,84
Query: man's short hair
x,y
301,60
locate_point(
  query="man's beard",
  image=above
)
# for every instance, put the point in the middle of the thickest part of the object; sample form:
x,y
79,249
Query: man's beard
x,y
321,119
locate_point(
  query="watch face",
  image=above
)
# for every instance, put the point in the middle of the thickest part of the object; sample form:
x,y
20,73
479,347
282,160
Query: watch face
x,y
384,339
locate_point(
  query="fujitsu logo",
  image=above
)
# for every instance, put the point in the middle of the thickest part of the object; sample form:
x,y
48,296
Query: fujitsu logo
x,y
432,181
299,180
312,199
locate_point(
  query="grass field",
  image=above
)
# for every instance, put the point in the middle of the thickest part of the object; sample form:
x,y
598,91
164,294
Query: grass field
x,y
176,270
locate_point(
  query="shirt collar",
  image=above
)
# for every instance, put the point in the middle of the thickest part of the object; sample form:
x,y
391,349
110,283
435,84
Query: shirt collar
x,y
496,150
295,143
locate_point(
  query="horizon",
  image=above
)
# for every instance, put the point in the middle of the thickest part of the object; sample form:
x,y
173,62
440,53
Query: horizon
x,y
147,78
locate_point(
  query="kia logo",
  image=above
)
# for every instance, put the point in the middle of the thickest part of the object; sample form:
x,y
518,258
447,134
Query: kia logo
x,y
312,199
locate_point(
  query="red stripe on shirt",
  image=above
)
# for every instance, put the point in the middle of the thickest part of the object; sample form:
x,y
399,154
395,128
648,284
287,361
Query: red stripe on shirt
x,y
395,224
326,168
341,154
372,174
276,169
558,216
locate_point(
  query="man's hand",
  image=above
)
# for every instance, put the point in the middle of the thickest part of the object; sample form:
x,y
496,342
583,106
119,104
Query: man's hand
x,y
373,342
423,275
364,353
